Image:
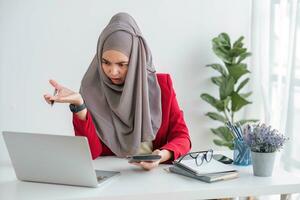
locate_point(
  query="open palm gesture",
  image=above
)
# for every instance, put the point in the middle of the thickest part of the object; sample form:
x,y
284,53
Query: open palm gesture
x,y
63,95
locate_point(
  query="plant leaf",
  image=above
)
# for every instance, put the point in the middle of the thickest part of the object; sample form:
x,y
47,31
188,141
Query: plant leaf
x,y
242,84
218,80
238,102
223,56
223,143
245,95
219,68
238,43
237,71
217,43
227,87
226,102
216,116
223,132
213,101
235,52
224,39
243,56
244,121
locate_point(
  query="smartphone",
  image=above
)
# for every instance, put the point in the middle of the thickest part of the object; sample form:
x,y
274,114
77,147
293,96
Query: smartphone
x,y
143,158
223,159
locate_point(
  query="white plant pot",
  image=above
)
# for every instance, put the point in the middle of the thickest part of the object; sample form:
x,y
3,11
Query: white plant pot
x,y
263,163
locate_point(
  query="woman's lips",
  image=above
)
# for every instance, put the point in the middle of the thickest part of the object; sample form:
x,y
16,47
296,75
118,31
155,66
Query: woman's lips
x,y
115,79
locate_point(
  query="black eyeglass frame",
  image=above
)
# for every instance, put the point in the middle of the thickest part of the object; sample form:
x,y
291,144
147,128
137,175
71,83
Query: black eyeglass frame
x,y
196,156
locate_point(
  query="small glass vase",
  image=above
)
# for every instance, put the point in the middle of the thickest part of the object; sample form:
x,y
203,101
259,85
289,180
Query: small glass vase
x,y
241,153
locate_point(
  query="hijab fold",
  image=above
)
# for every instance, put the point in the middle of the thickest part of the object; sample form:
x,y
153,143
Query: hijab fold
x,y
123,115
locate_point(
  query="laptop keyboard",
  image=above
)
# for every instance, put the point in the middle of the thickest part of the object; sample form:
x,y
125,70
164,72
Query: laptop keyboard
x,y
101,178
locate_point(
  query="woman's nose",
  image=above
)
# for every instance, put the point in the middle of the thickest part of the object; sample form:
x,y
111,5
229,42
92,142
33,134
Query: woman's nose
x,y
114,71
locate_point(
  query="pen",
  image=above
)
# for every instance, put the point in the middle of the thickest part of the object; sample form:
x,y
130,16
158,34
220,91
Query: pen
x,y
239,127
235,130
229,125
54,93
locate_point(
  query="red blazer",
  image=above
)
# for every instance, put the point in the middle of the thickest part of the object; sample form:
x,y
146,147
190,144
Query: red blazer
x,y
173,134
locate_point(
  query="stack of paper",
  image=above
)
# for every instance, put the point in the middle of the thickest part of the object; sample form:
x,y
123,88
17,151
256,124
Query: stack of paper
x,y
209,171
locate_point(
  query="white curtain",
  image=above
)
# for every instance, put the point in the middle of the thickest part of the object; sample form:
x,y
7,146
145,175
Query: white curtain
x,y
275,67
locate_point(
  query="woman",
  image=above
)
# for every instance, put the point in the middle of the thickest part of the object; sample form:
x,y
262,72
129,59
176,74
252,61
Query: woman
x,y
124,107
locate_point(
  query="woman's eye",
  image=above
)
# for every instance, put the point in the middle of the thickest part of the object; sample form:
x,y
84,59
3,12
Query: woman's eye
x,y
104,62
123,65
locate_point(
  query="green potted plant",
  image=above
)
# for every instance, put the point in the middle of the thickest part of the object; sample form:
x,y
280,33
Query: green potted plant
x,y
230,84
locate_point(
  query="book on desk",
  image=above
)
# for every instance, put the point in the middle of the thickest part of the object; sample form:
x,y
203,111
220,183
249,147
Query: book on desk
x,y
209,172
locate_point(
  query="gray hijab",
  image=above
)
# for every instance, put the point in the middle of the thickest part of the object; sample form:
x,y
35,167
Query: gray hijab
x,y
124,115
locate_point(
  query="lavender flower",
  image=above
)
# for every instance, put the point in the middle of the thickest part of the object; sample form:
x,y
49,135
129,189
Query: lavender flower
x,y
260,138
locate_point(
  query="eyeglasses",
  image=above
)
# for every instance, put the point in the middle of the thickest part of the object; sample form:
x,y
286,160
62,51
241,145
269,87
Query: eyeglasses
x,y
198,156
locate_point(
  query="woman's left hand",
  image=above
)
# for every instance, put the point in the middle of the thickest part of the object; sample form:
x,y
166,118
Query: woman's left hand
x,y
151,164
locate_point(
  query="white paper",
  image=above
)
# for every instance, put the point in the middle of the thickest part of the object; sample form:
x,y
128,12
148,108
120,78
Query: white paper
x,y
207,167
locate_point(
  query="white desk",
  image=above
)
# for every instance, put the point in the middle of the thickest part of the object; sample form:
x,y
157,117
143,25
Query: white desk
x,y
134,183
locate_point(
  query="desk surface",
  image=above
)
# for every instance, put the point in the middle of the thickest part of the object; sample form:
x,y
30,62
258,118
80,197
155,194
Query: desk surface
x,y
135,183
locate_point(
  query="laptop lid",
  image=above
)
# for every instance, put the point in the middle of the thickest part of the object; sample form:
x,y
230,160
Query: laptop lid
x,y
51,158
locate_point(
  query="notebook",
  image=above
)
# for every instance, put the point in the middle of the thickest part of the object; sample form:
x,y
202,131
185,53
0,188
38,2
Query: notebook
x,y
205,168
209,178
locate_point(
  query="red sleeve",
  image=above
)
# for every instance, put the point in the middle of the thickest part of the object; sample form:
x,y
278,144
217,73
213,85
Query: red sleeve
x,y
86,128
178,137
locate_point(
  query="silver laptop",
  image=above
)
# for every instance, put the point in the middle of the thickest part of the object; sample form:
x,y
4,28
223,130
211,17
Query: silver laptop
x,y
53,159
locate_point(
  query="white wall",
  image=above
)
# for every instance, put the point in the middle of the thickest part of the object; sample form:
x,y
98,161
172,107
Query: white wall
x,y
57,39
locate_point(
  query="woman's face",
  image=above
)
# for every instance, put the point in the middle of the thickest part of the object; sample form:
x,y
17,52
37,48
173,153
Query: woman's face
x,y
115,66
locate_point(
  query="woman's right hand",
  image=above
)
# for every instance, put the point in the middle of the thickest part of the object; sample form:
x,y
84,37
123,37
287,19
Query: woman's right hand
x,y
63,95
